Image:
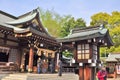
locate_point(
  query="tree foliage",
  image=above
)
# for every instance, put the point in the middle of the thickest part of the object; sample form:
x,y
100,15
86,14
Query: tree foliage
x,y
99,18
60,26
112,22
114,19
69,23
52,21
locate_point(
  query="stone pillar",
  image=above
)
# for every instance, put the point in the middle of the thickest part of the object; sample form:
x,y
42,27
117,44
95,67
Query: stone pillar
x,y
31,56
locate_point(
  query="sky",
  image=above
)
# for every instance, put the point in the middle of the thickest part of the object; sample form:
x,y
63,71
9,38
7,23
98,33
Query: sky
x,y
77,8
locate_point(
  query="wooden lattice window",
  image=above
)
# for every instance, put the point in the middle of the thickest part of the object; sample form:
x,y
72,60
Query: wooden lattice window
x,y
83,51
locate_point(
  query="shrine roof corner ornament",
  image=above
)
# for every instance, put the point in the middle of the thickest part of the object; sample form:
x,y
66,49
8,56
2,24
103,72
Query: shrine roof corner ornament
x,y
88,33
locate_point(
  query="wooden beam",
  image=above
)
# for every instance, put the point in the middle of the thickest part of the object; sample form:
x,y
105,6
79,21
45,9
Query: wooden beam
x,y
9,39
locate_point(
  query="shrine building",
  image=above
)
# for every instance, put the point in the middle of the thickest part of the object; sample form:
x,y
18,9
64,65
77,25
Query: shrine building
x,y
23,40
86,45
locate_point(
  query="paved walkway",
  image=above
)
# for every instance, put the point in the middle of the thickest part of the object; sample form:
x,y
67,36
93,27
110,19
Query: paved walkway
x,y
31,76
113,79
68,76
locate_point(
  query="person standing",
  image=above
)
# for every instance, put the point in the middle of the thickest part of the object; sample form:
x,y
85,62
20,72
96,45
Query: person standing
x,y
52,66
102,74
39,63
60,68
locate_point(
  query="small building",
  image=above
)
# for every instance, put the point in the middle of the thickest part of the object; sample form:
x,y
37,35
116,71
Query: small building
x,y
113,64
23,40
86,43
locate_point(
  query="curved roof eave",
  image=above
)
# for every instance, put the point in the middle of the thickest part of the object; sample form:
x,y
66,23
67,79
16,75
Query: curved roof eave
x,y
9,26
85,35
80,38
110,40
23,19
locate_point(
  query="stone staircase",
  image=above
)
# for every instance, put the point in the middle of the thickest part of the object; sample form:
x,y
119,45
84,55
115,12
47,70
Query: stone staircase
x,y
30,76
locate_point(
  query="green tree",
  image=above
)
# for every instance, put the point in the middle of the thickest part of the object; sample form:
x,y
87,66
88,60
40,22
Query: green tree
x,y
52,21
68,23
112,22
99,18
59,26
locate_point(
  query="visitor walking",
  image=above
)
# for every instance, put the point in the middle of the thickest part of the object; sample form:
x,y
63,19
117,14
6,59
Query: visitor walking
x,y
52,66
60,68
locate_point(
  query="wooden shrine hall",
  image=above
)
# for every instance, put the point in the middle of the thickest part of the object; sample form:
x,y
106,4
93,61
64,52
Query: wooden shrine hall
x,y
23,40
86,45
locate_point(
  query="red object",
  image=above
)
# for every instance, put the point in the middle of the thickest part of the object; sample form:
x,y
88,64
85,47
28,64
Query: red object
x,y
102,75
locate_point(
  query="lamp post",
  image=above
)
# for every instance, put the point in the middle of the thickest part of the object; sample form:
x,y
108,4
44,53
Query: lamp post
x,y
60,61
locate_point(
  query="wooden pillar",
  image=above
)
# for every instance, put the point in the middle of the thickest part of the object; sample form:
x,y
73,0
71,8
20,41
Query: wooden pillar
x,y
31,56
85,73
75,54
88,73
81,73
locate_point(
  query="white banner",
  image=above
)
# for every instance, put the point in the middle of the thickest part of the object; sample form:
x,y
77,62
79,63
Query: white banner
x,y
118,69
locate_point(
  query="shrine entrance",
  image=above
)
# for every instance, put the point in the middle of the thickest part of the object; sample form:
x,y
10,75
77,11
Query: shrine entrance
x,y
27,61
46,59
4,57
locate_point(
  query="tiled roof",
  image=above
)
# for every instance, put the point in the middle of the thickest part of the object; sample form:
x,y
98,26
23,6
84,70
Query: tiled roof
x,y
9,15
87,33
112,57
24,19
34,14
